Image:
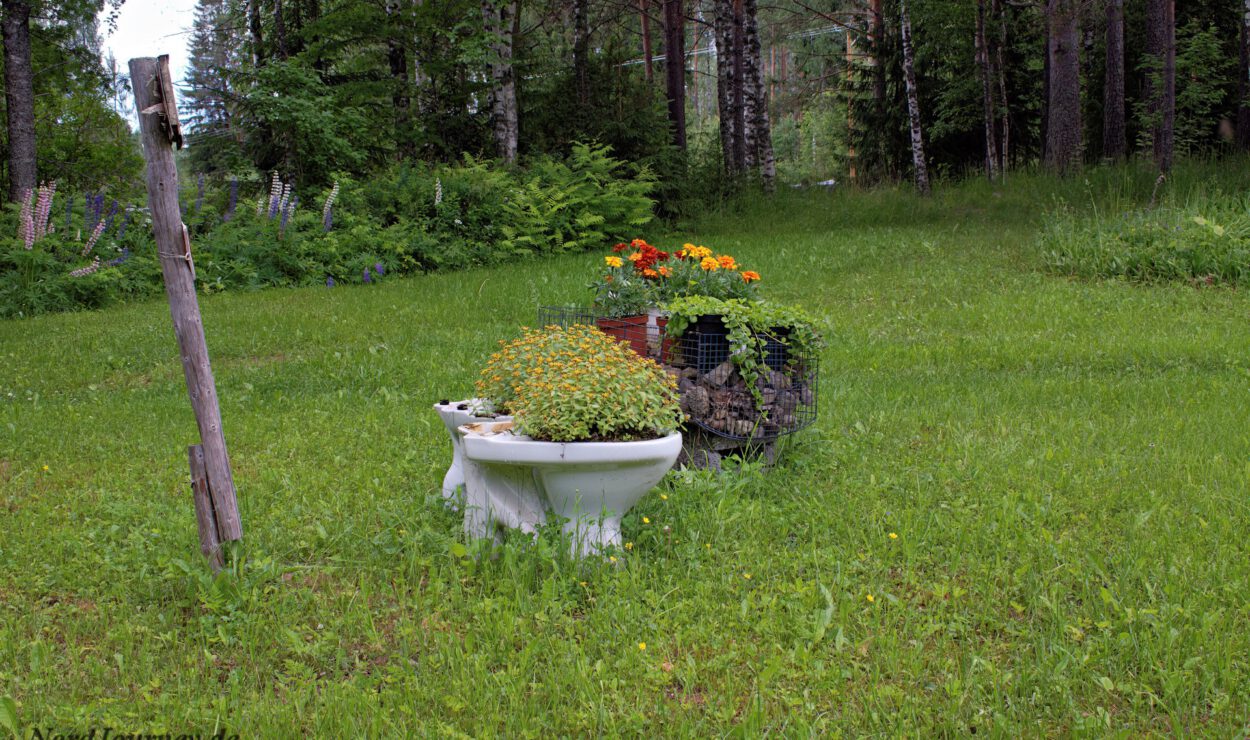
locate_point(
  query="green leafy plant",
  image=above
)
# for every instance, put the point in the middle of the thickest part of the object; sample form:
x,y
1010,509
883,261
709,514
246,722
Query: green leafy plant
x,y
578,384
750,326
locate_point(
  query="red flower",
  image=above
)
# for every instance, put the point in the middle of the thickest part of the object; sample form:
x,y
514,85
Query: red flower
x,y
620,247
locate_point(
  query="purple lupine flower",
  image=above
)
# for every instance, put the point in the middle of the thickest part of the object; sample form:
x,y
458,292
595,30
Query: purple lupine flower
x,y
95,236
84,271
125,255
379,269
199,192
97,207
327,218
368,277
234,199
43,208
26,220
329,282
108,220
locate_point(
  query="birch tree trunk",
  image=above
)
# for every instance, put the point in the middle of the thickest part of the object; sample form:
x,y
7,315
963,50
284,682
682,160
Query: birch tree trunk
x,y
258,40
1063,120
987,93
913,105
738,95
1114,145
1005,116
499,24
723,25
19,97
761,147
1161,83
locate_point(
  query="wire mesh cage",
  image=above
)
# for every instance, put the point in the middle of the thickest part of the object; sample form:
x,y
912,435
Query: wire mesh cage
x,y
740,401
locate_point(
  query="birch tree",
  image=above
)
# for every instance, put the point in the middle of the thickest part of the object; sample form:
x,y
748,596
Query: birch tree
x,y
919,166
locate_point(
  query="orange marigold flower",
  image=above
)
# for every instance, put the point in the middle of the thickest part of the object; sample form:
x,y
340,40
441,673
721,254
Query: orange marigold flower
x,y
607,278
665,270
635,256
650,273
750,275
709,264
727,262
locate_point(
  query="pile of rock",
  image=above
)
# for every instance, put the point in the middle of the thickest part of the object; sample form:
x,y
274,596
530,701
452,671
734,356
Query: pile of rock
x,y
721,401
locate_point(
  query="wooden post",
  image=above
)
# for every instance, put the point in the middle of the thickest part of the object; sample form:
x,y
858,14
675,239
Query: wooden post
x,y
205,520
159,128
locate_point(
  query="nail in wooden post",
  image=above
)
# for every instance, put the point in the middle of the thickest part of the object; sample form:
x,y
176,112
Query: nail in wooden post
x,y
159,128
205,520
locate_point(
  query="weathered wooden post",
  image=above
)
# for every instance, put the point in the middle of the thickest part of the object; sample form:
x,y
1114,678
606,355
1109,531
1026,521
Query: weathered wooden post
x,y
217,510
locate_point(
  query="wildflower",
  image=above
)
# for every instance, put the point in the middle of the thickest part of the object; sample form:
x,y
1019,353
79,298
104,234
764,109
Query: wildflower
x,y
894,535
125,255
379,269
27,220
709,264
87,270
95,236
368,277
287,211
121,230
746,576
664,497
275,195
871,599
708,545
45,468
646,520
329,282
750,275
642,646
438,190
584,584
327,210
613,261
611,558
629,546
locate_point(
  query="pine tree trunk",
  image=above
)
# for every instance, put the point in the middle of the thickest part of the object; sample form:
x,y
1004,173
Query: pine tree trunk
x,y
1161,86
499,24
723,23
397,59
19,98
1114,145
761,148
581,56
279,29
1243,81
913,105
1063,124
645,12
675,68
987,93
258,40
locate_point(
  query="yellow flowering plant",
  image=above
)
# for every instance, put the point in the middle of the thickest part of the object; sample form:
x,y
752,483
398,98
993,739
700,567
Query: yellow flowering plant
x,y
577,385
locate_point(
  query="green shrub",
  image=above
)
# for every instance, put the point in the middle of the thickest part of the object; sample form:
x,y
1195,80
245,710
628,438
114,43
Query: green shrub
x,y
1207,241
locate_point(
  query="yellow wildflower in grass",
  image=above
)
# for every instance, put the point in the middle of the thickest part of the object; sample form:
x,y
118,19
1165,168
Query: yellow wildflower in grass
x,y
871,599
613,261
611,558
642,646
645,520
629,546
709,264
45,468
664,497
747,576
893,535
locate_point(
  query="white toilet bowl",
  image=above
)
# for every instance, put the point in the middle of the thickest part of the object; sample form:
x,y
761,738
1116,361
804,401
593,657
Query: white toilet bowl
x,y
456,414
512,480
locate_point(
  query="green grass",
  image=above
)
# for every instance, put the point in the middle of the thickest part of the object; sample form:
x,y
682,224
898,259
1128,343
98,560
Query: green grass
x,y
1065,465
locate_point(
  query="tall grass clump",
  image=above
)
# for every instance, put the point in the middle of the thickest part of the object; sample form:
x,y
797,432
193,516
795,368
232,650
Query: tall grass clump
x,y
1206,240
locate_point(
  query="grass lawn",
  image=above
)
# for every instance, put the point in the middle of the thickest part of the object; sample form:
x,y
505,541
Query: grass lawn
x,y
1023,510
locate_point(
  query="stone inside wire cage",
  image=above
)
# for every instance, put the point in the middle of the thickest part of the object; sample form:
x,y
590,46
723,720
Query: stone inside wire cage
x,y
714,392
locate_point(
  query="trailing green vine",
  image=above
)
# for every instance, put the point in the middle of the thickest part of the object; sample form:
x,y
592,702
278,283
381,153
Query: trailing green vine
x,y
749,327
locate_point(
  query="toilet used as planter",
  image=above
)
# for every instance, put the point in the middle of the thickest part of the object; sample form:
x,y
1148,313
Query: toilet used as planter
x,y
456,414
514,481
